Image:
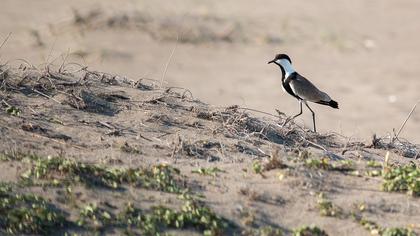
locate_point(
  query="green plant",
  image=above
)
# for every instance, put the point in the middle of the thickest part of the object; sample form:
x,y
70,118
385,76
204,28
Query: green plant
x,y
27,213
344,165
374,164
376,229
402,179
207,171
397,232
309,231
257,167
318,163
325,164
163,177
12,110
369,225
326,207
192,214
374,173
91,214
61,171
263,231
65,171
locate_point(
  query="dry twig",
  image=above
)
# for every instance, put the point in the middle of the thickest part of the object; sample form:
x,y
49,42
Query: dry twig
x,y
169,61
405,121
5,40
47,96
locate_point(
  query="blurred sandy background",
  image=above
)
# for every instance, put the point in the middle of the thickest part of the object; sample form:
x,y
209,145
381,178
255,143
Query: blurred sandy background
x,y
364,53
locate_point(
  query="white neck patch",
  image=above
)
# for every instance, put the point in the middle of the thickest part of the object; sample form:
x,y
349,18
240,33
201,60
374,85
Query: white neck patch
x,y
288,69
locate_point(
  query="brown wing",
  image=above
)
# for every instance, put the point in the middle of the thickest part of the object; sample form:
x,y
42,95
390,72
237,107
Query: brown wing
x,y
306,90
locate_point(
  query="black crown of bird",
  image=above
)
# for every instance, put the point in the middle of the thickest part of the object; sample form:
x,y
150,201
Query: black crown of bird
x,y
300,88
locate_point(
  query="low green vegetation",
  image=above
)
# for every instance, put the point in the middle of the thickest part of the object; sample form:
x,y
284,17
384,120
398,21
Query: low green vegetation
x,y
31,214
402,179
369,225
27,213
23,213
257,167
274,162
208,171
93,216
193,214
263,231
325,164
397,232
61,171
376,229
374,173
374,164
374,168
326,207
309,231
318,163
12,110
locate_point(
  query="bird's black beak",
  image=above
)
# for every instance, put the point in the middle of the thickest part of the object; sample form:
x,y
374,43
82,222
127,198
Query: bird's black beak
x,y
272,61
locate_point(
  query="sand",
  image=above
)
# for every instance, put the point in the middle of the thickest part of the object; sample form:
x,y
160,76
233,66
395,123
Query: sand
x,y
214,55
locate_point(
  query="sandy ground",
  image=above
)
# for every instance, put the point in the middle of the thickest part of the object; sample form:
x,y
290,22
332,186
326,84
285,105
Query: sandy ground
x,y
65,137
363,53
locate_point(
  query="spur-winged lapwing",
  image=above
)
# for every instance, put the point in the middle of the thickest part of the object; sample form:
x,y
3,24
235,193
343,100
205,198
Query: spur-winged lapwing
x,y
299,87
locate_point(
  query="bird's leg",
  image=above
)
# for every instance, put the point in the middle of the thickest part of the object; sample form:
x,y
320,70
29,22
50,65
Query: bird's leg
x,y
300,113
293,117
313,116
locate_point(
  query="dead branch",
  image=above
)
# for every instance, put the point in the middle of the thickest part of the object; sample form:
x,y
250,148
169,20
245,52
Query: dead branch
x,y
46,96
405,121
5,40
169,61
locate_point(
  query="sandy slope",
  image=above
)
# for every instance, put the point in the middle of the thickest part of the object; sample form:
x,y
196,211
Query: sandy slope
x,y
98,120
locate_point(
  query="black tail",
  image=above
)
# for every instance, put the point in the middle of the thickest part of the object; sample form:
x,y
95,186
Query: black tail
x,y
331,103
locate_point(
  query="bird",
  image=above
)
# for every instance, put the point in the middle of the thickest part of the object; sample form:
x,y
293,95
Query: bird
x,y
299,87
